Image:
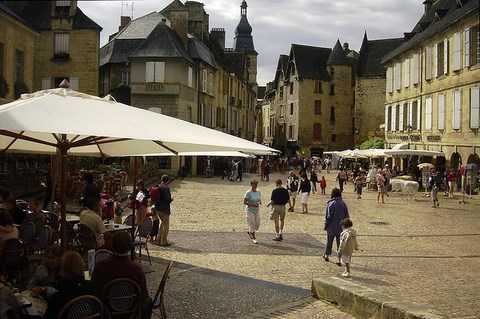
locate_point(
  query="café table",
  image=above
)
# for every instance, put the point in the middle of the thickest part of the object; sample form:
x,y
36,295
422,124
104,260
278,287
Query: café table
x,y
34,306
117,227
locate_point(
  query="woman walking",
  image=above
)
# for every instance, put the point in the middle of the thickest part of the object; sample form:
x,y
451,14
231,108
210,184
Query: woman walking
x,y
252,201
335,212
304,190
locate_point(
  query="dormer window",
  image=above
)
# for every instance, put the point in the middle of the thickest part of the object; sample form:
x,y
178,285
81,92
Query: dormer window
x,y
62,9
461,3
439,14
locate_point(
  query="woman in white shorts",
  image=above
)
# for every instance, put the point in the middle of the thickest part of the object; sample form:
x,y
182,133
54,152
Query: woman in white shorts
x,y
304,190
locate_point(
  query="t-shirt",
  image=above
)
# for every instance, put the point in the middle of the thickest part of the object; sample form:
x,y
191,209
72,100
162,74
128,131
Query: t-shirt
x,y
253,198
280,196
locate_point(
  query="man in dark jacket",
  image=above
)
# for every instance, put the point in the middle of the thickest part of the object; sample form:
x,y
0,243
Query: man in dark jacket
x,y
335,212
162,205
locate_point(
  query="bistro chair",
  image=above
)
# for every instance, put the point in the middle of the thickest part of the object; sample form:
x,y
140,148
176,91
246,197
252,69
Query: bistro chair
x,y
158,298
84,307
13,253
54,223
102,254
122,299
86,239
129,220
141,238
27,233
44,240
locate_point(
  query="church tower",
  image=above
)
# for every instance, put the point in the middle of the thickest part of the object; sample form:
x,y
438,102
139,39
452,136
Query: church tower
x,y
243,42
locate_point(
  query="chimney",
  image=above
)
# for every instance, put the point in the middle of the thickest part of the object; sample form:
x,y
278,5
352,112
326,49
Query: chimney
x,y
179,24
124,20
345,47
219,35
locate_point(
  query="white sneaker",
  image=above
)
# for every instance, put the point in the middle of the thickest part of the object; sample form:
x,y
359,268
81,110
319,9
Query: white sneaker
x,y
346,274
254,241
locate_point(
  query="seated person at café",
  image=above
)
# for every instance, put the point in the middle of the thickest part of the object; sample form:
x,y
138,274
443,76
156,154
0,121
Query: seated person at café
x,y
91,218
72,284
10,307
46,275
35,216
7,230
119,265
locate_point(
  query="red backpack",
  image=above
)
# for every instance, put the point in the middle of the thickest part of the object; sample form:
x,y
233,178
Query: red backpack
x,y
154,192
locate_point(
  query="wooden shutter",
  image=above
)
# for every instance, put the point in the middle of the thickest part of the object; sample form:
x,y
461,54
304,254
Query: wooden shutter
x,y
474,108
457,110
46,83
73,83
441,112
428,113
457,51
445,56
416,68
149,71
428,63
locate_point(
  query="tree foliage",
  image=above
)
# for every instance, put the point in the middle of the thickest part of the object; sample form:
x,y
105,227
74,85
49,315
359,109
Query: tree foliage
x,y
373,142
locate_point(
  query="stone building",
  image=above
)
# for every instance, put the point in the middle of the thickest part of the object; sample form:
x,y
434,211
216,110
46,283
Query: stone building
x,y
17,45
169,62
370,88
67,46
433,84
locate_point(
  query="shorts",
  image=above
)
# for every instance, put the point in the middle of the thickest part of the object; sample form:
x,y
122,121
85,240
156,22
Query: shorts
x,y
346,259
381,189
305,198
278,212
293,195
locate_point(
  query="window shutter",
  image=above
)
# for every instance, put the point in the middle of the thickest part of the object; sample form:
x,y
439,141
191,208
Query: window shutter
x,y
149,71
210,84
474,108
428,63
400,118
159,71
410,114
398,76
74,83
394,118
390,79
387,126
441,112
419,114
445,56
190,77
435,61
428,113
407,72
204,80
457,51
46,83
467,48
416,68
456,110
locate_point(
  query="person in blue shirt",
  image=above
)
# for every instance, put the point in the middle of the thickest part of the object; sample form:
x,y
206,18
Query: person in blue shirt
x,y
252,201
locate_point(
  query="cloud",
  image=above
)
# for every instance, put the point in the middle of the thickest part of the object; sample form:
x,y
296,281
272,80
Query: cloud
x,y
280,23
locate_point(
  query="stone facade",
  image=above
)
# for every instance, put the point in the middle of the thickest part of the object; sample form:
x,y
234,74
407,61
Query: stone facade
x,y
16,38
432,96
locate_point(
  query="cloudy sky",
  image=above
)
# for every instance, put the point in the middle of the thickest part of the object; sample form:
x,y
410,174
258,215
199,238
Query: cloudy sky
x,y
279,23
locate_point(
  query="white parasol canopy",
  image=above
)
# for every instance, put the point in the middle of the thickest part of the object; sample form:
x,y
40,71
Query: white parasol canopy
x,y
62,121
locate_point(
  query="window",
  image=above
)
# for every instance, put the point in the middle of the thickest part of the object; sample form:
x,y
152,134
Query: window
x,y
46,83
190,77
208,116
282,110
204,80
428,63
62,45
291,87
457,51
390,79
189,113
471,46
441,112
398,76
428,113
474,108
445,56
438,59
334,137
290,132
401,113
210,84
416,68
62,9
291,108
318,87
414,114
317,131
332,114
457,110
388,118
281,92
126,77
155,72
318,107
19,66
332,72
332,89
394,118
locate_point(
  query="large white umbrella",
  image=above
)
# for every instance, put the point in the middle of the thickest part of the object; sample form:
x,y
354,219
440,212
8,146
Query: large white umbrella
x,y
65,122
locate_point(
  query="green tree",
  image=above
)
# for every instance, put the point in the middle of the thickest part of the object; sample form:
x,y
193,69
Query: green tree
x,y
373,142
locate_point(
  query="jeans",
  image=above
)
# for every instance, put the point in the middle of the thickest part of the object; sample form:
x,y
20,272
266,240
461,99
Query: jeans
x,y
164,227
328,247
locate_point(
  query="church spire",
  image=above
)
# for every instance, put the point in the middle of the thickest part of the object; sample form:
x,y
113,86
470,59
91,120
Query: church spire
x,y
243,40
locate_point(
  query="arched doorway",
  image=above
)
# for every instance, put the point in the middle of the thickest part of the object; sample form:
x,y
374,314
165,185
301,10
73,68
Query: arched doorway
x,y
455,161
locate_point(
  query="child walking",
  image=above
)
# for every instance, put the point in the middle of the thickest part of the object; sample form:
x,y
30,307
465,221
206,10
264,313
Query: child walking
x,y
323,185
435,195
348,243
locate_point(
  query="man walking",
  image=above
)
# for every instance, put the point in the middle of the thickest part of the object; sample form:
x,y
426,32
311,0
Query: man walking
x,y
162,205
280,197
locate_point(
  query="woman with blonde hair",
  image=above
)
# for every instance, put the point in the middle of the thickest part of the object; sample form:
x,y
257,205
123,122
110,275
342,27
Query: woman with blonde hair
x,y
252,201
72,284
46,275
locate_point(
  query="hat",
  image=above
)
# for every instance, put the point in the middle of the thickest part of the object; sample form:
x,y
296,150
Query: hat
x,y
386,165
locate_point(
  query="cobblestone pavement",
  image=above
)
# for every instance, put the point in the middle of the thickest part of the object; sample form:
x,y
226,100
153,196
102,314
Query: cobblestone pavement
x,y
409,250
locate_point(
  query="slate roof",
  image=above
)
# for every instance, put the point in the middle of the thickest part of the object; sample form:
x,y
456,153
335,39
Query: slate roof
x,y
9,12
310,61
338,56
141,27
118,51
282,66
371,54
38,15
163,42
427,26
198,51
174,5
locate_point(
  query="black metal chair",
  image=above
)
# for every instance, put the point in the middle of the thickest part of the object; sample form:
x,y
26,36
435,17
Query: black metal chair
x,y
27,233
158,298
83,307
122,299
102,254
129,220
141,238
86,239
13,252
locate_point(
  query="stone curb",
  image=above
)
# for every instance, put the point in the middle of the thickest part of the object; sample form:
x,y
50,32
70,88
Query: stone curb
x,y
367,303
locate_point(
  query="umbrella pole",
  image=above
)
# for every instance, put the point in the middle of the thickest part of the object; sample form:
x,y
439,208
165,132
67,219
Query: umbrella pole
x,y
134,180
63,192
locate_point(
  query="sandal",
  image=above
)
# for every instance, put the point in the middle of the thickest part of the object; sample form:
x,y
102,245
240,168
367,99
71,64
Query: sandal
x,y
325,257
